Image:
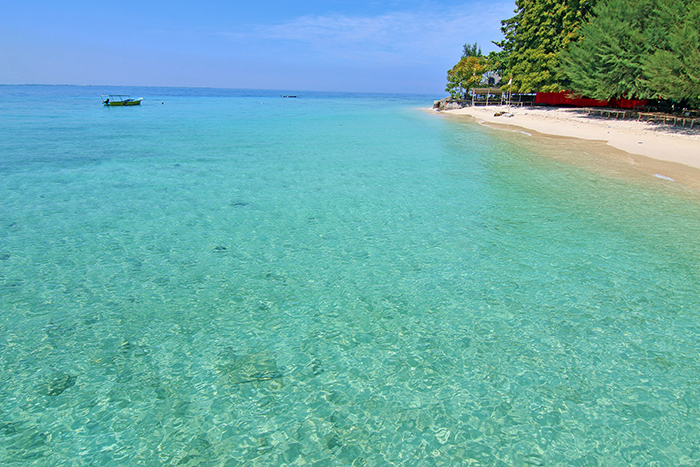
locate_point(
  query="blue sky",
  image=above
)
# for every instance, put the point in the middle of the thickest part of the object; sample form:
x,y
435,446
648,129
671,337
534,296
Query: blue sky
x,y
333,45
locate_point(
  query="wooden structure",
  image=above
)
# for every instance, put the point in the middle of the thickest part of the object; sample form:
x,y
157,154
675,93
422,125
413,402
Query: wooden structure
x,y
486,96
688,118
666,119
496,96
617,114
520,99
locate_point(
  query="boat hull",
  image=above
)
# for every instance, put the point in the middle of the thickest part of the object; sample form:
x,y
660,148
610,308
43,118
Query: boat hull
x,y
124,103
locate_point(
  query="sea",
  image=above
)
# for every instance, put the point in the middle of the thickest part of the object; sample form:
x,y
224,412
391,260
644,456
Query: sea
x,y
236,278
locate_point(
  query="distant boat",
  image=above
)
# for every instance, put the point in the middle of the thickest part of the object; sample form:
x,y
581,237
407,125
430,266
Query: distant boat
x,y
289,96
113,100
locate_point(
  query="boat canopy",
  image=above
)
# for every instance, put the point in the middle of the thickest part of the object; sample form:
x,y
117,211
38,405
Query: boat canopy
x,y
115,98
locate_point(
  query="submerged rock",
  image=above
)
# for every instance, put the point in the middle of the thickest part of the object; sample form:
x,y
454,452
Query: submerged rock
x,y
248,368
56,383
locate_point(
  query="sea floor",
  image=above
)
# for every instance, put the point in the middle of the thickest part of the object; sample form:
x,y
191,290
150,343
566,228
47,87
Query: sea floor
x,y
232,278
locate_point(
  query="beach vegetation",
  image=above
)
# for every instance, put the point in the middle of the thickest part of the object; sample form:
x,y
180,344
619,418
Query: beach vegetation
x,y
466,74
601,49
638,49
471,50
534,39
673,71
617,43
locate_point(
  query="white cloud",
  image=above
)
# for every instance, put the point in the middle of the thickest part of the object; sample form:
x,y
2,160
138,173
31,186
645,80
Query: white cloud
x,y
401,36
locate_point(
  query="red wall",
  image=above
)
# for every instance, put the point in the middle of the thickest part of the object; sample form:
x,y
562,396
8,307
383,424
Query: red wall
x,y
566,98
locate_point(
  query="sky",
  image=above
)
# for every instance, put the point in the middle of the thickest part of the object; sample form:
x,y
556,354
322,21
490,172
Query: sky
x,y
332,45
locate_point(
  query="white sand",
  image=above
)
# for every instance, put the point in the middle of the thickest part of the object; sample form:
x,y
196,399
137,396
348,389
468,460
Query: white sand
x,y
656,141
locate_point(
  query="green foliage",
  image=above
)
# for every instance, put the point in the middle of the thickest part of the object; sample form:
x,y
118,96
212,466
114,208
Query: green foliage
x,y
610,59
602,48
673,72
465,75
471,50
496,61
535,38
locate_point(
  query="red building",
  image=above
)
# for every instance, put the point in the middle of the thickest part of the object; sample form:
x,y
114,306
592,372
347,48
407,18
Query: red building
x,y
567,98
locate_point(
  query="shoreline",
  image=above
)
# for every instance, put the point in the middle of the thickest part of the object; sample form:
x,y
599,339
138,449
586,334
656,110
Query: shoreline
x,y
653,148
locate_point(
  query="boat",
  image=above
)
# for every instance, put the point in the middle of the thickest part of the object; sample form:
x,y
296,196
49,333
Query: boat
x,y
112,100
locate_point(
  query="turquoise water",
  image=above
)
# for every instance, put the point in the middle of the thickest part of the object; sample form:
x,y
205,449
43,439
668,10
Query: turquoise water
x,y
231,278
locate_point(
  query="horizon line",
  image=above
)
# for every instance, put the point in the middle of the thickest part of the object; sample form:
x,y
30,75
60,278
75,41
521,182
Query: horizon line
x,y
213,87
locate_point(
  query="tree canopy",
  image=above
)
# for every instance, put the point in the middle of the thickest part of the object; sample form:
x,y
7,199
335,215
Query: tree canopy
x,y
673,71
535,38
610,59
601,49
471,50
465,75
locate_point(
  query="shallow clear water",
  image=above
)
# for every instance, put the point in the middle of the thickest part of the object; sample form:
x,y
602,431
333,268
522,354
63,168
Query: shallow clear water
x,y
231,278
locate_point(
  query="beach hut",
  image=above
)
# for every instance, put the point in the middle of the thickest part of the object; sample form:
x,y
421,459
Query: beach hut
x,y
484,96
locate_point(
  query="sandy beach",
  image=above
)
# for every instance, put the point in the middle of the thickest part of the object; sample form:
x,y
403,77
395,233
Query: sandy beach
x,y
653,147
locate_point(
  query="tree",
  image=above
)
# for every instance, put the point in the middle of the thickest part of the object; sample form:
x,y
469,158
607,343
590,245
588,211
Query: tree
x,y
471,50
535,38
673,72
465,75
609,60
